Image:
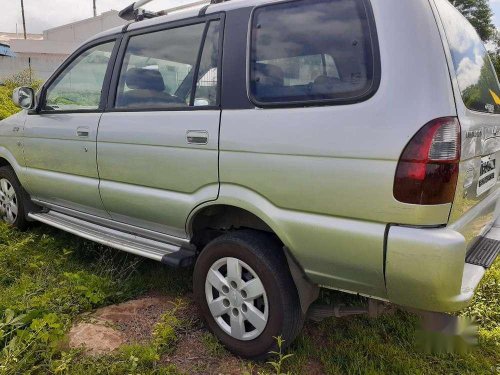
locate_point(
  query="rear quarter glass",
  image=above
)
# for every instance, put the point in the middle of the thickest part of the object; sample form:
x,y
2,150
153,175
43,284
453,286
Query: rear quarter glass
x,y
475,74
309,52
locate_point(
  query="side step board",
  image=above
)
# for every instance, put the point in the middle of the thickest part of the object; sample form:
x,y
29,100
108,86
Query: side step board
x,y
169,254
485,251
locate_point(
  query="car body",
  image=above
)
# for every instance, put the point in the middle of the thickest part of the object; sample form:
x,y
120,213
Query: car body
x,y
307,146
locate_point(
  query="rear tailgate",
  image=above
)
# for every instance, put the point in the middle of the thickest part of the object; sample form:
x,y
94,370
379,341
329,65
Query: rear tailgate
x,y
477,96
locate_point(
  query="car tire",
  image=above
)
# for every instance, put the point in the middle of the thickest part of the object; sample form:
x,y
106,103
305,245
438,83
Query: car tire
x,y
247,312
12,199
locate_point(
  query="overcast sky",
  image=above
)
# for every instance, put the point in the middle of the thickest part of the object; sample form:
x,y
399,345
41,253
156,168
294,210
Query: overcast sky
x,y
44,14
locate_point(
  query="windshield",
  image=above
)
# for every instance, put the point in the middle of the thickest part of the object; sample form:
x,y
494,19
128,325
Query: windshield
x,y
476,77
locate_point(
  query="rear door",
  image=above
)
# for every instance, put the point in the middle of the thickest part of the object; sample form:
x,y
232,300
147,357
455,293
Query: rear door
x,y
477,94
158,141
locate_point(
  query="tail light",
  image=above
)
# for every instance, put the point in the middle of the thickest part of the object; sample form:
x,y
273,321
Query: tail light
x,y
427,171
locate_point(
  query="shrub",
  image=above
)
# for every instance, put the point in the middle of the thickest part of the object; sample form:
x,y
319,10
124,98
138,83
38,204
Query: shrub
x,y
23,78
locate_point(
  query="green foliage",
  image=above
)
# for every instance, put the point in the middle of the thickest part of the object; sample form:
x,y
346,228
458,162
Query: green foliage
x,y
485,310
165,332
7,107
495,59
479,14
48,277
47,280
213,345
23,78
279,362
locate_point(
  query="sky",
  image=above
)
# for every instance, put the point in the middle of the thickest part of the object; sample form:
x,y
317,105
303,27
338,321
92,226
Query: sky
x,y
41,16
495,5
45,14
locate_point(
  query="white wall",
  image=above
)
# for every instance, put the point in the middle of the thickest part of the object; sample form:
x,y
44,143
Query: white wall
x,y
82,30
42,65
57,44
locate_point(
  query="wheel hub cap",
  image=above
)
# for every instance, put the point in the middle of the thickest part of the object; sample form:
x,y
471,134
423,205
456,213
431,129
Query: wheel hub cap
x,y
237,299
8,201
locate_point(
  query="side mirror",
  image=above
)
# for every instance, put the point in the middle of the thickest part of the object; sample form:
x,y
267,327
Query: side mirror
x,y
24,97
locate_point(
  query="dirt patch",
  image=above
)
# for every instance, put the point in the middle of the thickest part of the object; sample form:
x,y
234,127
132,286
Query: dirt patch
x,y
196,351
135,318
95,339
314,367
193,356
109,327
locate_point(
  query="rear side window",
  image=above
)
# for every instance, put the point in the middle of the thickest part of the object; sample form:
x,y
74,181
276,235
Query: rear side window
x,y
476,77
312,51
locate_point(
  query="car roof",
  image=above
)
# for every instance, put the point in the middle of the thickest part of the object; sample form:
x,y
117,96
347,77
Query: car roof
x,y
182,14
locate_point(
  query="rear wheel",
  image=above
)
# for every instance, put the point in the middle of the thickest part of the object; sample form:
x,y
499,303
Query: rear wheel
x,y
12,199
246,293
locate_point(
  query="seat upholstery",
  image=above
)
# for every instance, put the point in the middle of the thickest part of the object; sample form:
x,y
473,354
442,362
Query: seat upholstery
x,y
147,90
269,75
144,79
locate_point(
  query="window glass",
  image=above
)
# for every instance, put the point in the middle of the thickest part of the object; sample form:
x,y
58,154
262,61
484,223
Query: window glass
x,y
302,70
158,68
206,83
311,50
79,86
476,77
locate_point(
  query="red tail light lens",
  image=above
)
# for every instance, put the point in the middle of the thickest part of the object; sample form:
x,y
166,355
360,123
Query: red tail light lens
x,y
427,171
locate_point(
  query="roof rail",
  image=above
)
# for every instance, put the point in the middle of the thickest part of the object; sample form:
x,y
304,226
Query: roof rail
x,y
134,12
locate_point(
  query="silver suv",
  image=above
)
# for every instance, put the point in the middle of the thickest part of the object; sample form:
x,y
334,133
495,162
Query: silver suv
x,y
282,146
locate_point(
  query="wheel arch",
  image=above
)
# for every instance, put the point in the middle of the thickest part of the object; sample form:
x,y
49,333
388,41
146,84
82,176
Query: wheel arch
x,y
7,159
238,208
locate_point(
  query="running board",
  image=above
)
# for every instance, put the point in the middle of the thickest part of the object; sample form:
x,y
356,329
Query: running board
x,y
484,252
172,255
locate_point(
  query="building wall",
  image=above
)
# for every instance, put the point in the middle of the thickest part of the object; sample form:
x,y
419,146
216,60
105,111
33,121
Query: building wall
x,y
57,44
82,30
42,65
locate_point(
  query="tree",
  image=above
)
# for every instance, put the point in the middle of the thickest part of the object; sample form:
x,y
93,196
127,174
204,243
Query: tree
x,y
479,14
495,51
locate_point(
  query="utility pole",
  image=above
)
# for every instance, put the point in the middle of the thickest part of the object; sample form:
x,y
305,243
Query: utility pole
x,y
24,20
95,10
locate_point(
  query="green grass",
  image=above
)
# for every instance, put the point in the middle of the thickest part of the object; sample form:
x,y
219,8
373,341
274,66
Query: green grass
x,y
48,278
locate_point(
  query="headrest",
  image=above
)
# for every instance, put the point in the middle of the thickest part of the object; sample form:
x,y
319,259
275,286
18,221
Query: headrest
x,y
267,74
144,79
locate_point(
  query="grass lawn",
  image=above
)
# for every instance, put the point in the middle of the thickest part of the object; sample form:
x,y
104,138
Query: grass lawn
x,y
48,278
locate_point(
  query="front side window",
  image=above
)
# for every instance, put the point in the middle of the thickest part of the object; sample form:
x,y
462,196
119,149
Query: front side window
x,y
79,86
476,77
310,51
159,68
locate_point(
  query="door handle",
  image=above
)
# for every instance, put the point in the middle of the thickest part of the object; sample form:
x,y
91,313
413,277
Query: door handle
x,y
198,137
82,132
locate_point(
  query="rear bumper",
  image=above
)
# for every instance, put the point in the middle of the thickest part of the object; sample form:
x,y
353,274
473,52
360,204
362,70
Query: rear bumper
x,y
426,269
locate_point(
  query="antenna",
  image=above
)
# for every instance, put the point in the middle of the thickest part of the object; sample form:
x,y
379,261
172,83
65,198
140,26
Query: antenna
x,y
134,13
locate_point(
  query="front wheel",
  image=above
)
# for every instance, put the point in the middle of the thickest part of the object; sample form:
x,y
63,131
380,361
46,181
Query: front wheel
x,y
12,207
246,294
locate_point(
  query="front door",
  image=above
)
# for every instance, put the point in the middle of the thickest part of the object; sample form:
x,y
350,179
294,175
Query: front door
x,y
60,138
157,147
